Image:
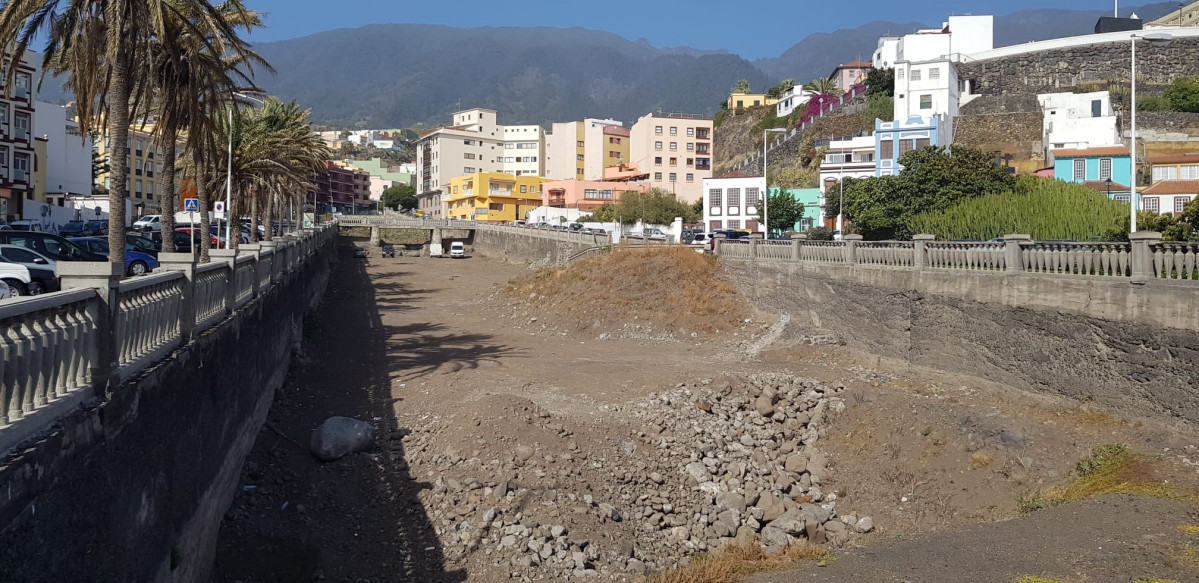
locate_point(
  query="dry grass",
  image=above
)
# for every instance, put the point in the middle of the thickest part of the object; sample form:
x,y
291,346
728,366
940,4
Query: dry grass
x,y
1156,580
1035,579
979,459
740,559
1112,469
1191,529
674,288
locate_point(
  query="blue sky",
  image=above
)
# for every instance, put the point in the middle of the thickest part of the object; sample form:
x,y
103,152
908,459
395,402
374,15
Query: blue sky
x,y
750,28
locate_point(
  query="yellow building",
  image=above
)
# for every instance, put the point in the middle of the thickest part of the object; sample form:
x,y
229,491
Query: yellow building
x,y
493,196
144,174
744,100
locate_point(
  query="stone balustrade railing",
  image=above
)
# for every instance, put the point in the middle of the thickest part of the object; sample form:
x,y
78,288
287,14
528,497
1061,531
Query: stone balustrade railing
x,y
1145,257
63,348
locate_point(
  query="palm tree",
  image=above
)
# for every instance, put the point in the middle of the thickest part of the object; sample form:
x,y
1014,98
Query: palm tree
x,y
95,43
821,86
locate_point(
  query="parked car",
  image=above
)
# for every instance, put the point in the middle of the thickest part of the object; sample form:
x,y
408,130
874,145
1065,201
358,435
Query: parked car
x,y
457,250
389,251
576,226
5,291
148,223
17,277
73,229
52,246
144,244
25,225
136,262
97,228
359,252
599,231
195,233
43,271
699,240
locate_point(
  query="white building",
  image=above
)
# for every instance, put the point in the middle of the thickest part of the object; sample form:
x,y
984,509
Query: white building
x,y
929,89
1077,120
524,150
580,150
675,150
68,154
731,201
852,158
887,52
794,98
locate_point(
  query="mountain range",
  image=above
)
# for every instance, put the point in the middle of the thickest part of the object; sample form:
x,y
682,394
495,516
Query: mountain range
x,y
405,75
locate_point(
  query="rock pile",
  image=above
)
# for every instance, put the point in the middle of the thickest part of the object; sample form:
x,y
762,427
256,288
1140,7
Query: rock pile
x,y
696,467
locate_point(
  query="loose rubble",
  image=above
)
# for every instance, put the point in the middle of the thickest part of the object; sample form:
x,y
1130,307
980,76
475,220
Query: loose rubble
x,y
703,464
340,436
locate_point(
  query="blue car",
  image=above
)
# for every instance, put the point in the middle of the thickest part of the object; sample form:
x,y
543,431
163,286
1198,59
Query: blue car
x,y
136,262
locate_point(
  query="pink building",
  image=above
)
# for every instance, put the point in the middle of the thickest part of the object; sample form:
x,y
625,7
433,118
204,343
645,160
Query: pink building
x,y
847,75
590,194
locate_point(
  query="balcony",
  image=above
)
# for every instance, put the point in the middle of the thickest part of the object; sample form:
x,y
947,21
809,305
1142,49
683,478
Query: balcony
x,y
20,134
557,201
20,176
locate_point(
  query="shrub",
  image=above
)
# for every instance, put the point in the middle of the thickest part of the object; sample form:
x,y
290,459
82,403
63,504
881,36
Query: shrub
x,y
1183,95
820,234
1153,103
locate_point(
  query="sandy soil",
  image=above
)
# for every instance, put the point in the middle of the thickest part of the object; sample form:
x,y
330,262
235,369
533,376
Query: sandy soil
x,y
422,345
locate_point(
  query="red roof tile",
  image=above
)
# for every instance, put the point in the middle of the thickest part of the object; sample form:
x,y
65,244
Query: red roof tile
x,y
1101,186
1173,187
1091,152
1174,159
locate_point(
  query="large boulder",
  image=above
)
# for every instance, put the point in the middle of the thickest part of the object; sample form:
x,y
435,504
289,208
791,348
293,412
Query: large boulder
x,y
340,436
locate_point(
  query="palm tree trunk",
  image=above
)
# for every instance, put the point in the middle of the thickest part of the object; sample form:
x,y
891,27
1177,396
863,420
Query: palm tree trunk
x,y
254,213
169,200
267,209
205,220
118,130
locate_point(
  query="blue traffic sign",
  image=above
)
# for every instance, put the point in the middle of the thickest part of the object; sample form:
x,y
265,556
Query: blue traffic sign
x,y
191,205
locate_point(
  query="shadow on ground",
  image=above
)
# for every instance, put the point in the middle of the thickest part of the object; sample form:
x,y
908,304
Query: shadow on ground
x,y
358,518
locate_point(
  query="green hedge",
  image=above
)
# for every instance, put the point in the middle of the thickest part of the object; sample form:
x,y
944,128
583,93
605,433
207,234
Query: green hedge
x,y
1041,207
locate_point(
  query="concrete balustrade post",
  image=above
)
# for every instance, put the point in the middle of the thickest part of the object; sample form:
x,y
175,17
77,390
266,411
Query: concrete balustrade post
x,y
254,249
919,247
1014,256
797,240
229,257
754,239
1142,255
105,278
851,248
185,264
720,237
272,246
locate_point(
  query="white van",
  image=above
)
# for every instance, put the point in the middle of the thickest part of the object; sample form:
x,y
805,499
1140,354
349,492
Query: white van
x,y
148,223
457,250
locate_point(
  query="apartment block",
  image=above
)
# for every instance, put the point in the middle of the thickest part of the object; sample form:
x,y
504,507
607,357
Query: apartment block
x,y
492,196
65,170
524,150
675,150
343,188
580,150
17,148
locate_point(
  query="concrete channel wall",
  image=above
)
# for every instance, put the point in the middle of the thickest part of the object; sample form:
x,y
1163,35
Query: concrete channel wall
x,y
1130,347
132,484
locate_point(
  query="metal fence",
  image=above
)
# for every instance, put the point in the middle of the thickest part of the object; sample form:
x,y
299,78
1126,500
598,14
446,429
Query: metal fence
x,y
61,348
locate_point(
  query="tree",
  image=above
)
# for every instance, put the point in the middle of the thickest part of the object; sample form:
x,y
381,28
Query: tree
x,y
697,207
785,211
880,82
657,207
96,45
400,196
821,86
778,90
933,178
1183,94
742,86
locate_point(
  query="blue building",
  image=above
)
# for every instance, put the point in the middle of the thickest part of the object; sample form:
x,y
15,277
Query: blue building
x,y
893,139
1093,167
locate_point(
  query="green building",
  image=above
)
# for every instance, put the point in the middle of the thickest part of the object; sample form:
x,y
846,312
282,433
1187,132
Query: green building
x,y
810,198
378,167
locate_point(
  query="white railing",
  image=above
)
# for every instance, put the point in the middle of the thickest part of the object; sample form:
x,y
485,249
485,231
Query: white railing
x,y
1176,260
774,250
49,348
147,322
244,273
822,251
736,248
211,283
1101,259
965,255
885,253
61,348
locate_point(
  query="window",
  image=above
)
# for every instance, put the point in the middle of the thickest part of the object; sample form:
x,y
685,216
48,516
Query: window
x,y
658,176
690,161
1080,170
4,115
673,177
468,142
1165,173
674,161
1121,197
657,145
701,133
734,224
468,170
734,200
1150,204
613,154
915,74
886,149
674,146
657,130
579,157
714,200
690,178
657,160
690,147
524,188
613,140
509,146
714,225
20,166
934,73
691,131
922,143
905,146
899,74
674,131
1180,202
751,197
469,156
21,126
1189,173
495,206
579,144
703,164
926,101
1105,168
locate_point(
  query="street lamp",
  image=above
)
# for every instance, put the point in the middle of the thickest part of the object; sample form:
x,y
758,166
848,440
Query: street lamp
x,y
766,178
1109,187
1156,39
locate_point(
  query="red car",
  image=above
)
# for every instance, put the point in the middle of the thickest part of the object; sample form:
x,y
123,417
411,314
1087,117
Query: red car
x,y
195,233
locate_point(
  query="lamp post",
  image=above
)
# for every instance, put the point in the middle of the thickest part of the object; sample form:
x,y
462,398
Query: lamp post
x,y
766,178
1157,39
1109,188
